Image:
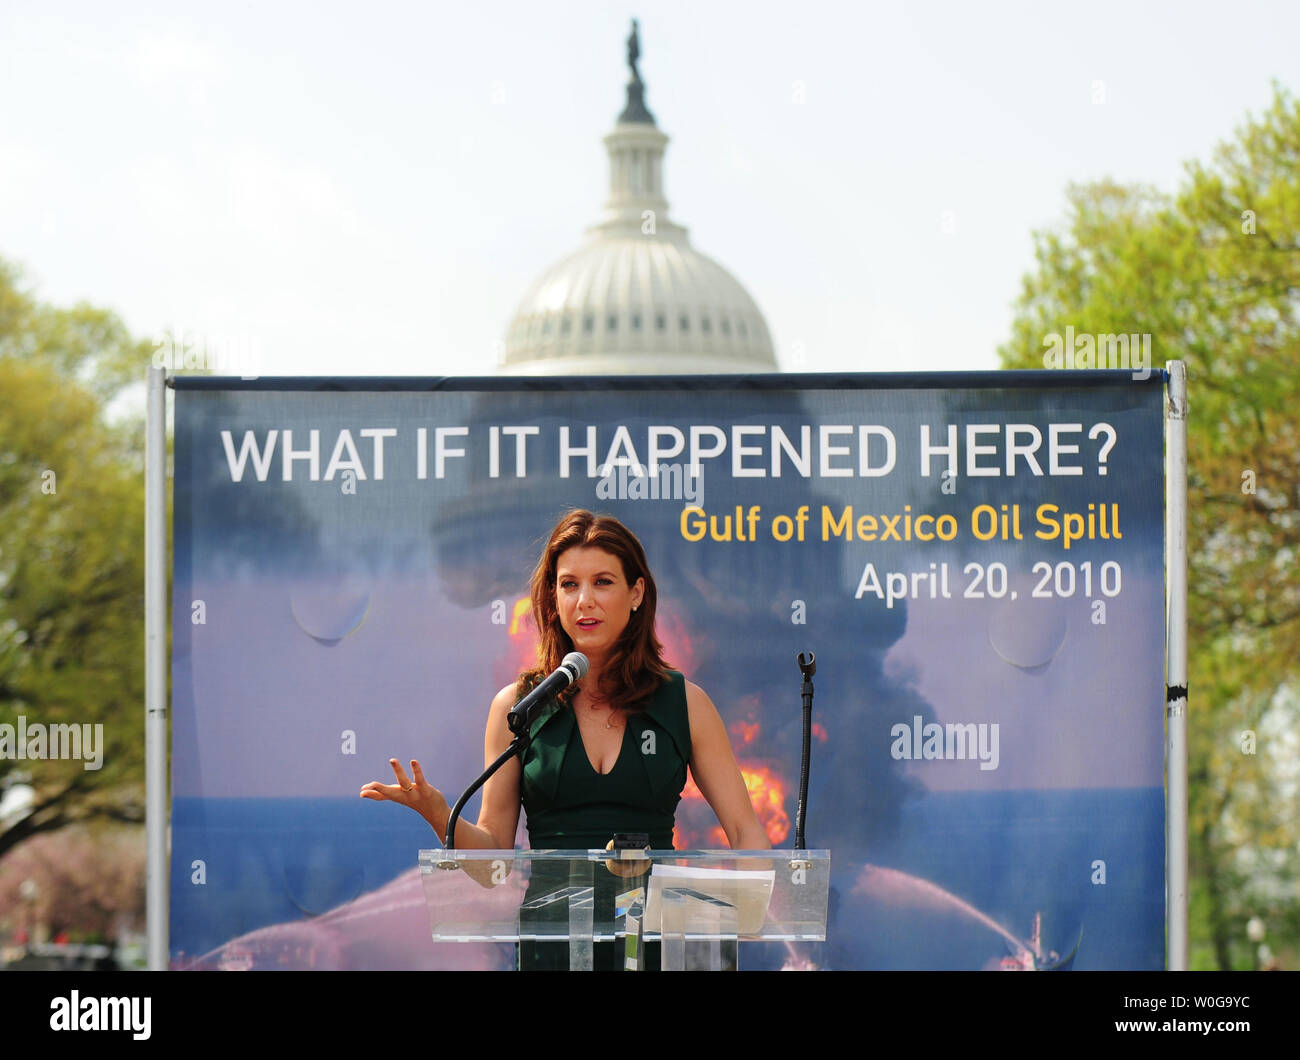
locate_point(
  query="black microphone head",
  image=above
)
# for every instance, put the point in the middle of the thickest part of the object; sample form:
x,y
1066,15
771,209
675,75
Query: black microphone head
x,y
577,665
807,664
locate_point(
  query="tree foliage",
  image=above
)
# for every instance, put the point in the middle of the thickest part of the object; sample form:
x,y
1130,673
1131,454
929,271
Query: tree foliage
x,y
71,558
90,886
1212,274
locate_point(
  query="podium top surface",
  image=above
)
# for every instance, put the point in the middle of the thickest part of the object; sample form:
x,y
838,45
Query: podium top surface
x,y
553,895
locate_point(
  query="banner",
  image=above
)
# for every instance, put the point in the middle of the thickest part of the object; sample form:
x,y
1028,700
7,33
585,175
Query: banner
x,y
976,560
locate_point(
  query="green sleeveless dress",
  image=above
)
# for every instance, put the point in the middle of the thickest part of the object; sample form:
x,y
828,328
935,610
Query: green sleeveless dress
x,y
572,807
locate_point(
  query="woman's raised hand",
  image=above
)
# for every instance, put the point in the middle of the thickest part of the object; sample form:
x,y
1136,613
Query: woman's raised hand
x,y
415,792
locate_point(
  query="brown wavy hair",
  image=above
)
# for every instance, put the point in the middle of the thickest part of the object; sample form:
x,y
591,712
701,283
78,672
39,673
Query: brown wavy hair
x,y
636,666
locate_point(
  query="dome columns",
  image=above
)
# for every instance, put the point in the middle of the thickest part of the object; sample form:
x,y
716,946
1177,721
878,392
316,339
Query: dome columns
x,y
636,154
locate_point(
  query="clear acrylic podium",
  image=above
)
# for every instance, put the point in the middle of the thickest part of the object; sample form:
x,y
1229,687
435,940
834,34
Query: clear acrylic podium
x,y
696,903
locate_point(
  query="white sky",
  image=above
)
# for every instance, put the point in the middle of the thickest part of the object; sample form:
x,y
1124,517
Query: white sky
x,y
370,188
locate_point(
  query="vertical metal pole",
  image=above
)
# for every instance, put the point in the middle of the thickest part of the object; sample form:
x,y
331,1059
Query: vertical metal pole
x,y
1176,667
155,671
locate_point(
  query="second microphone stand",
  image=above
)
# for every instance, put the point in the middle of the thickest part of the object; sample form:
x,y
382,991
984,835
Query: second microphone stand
x,y
807,667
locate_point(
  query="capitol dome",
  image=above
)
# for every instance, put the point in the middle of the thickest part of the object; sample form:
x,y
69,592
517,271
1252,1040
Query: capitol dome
x,y
636,297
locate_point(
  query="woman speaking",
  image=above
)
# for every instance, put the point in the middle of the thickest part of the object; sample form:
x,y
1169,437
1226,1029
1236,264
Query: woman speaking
x,y
612,754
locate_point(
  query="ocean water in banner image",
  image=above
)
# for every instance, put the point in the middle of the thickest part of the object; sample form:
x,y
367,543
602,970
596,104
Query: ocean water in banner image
x,y
303,883
1027,895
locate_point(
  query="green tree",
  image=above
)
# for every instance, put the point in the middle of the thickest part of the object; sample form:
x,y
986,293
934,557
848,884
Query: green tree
x,y
71,560
1212,274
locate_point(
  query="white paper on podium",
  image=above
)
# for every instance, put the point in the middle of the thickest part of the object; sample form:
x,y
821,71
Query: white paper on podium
x,y
748,890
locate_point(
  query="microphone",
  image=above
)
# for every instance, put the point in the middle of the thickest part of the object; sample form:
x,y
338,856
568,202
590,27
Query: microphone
x,y
573,668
